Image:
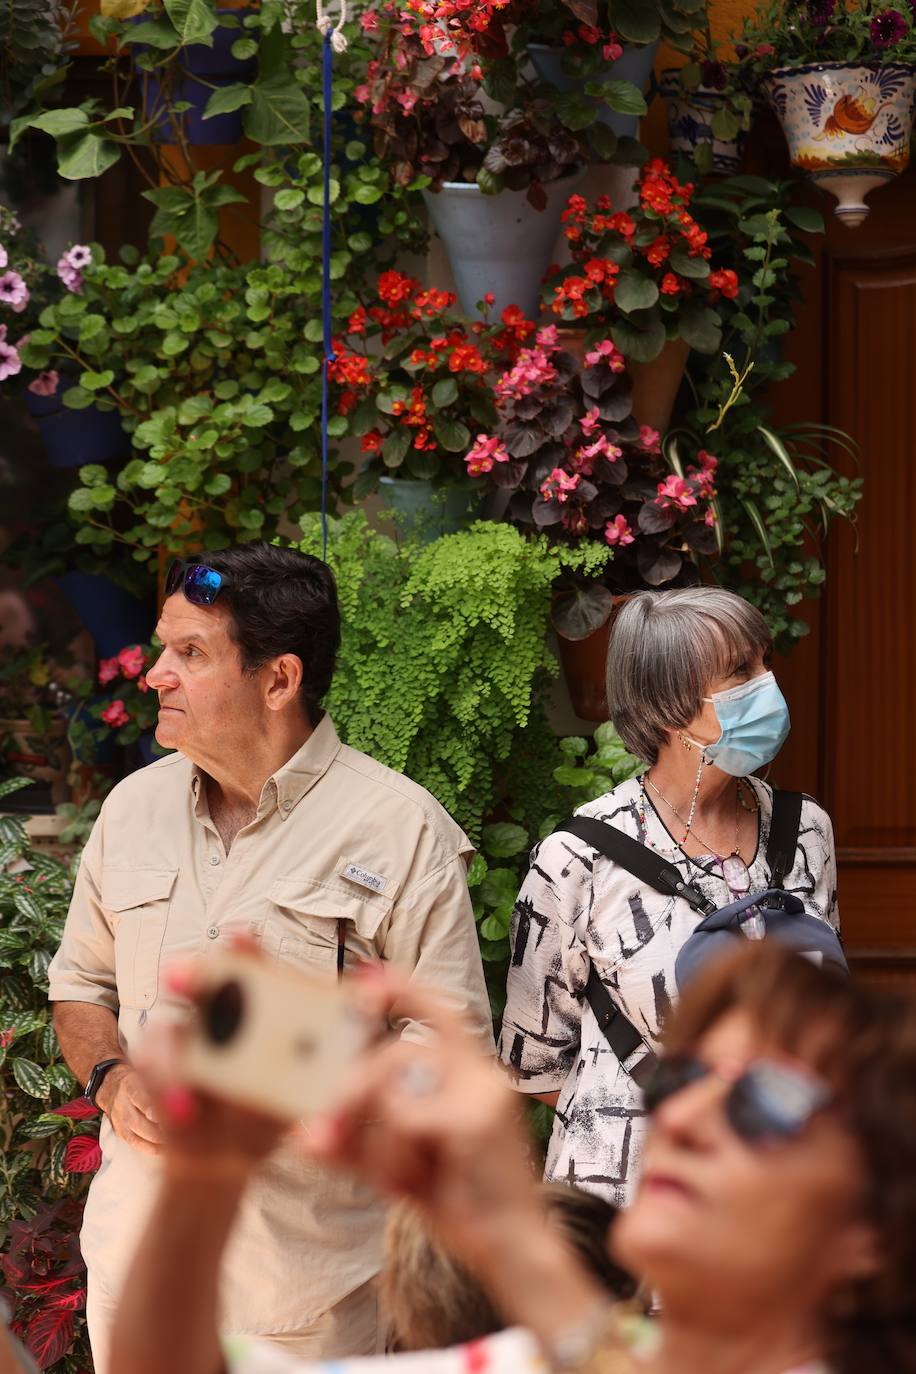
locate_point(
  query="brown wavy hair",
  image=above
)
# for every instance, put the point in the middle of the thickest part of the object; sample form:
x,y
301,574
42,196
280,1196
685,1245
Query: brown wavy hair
x,y
862,1041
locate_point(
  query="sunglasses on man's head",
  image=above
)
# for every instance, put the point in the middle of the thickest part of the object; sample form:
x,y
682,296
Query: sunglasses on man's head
x,y
200,584
767,1103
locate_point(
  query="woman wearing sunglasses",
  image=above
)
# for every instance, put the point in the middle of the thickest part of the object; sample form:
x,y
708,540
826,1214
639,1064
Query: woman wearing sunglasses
x,y
690,693
775,1217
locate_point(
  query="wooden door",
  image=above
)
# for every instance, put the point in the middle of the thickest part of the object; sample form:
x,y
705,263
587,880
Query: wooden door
x,y
851,684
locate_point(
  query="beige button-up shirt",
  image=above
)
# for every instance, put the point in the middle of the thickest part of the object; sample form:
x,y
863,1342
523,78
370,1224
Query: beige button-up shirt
x,y
336,835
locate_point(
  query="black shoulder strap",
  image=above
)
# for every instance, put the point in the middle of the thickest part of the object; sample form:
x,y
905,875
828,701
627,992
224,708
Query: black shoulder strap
x,y
784,826
617,1029
636,858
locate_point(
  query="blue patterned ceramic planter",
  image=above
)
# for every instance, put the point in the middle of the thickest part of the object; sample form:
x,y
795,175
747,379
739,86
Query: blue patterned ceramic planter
x,y
690,115
848,126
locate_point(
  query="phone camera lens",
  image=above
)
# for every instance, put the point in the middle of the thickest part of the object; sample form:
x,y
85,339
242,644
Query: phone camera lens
x,y
223,1014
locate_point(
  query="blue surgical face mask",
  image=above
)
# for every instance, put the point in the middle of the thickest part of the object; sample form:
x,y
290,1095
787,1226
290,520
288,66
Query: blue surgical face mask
x,y
755,722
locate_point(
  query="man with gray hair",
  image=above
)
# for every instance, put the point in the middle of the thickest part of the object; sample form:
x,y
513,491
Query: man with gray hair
x,y
691,694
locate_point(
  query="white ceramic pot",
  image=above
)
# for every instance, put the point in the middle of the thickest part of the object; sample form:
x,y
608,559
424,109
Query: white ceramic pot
x,y
848,126
498,243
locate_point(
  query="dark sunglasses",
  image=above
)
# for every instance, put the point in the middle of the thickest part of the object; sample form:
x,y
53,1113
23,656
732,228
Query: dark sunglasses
x,y
768,1102
200,584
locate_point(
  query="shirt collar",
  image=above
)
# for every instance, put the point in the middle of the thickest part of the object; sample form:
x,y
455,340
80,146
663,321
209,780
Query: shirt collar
x,y
284,788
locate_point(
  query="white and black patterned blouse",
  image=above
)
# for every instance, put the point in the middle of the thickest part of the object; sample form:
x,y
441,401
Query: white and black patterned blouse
x,y
577,908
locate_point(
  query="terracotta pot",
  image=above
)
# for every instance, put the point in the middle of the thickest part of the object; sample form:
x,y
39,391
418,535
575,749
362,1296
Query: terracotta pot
x,y
43,757
848,126
584,664
655,384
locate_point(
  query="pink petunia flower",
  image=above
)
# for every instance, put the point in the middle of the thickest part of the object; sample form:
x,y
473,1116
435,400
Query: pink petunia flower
x,y
617,532
3,258
109,669
649,438
45,384
606,352
13,291
10,361
71,276
115,715
131,660
675,491
79,256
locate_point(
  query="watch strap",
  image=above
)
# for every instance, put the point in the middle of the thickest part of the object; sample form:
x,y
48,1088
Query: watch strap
x,y
97,1078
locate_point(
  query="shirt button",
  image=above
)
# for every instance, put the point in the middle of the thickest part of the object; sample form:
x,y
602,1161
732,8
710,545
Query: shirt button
x,y
212,932
286,806
214,859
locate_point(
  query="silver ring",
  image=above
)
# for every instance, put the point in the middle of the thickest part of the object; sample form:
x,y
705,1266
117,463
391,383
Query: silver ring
x,y
420,1080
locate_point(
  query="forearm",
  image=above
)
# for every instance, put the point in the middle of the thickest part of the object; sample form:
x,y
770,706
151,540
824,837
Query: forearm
x,y
88,1034
536,1280
168,1316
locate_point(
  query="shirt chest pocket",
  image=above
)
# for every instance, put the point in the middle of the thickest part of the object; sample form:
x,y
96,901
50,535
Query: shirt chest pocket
x,y
138,900
304,916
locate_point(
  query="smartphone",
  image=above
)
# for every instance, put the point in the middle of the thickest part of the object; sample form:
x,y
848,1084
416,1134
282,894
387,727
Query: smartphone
x,y
272,1039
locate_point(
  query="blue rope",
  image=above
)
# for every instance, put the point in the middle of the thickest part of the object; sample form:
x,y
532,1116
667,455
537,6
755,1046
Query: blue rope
x,y
326,292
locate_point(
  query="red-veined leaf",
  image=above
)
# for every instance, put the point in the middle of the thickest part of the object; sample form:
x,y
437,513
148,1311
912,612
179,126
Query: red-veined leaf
x,y
48,1336
70,1302
83,1155
78,1110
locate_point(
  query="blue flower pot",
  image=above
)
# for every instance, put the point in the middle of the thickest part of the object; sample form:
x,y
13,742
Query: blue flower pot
x,y
204,69
75,437
112,616
690,116
634,65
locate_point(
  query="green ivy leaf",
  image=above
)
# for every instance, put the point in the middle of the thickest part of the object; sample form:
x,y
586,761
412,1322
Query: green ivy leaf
x,y
226,99
503,840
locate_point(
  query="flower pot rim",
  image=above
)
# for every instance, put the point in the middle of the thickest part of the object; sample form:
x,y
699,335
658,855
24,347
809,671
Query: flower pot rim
x,y
873,66
471,186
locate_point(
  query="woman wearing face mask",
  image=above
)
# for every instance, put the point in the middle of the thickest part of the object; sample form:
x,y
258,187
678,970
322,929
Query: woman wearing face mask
x,y
690,692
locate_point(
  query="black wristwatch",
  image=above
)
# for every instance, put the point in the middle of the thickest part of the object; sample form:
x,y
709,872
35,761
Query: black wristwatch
x,y
97,1078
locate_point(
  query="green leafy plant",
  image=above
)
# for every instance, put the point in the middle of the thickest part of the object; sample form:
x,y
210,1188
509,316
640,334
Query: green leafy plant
x,y
641,274
216,375
444,650
33,36
49,1140
778,490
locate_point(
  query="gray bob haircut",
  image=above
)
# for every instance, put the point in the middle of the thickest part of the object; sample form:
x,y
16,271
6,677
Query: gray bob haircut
x,y
665,650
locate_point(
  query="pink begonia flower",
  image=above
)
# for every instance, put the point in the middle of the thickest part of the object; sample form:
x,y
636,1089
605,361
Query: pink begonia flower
x,y
601,448
617,531
369,21
559,486
109,669
649,438
611,51
406,100
606,352
10,361
675,491
13,291
710,517
590,420
708,463
131,660
362,94
45,384
487,450
142,684
3,258
115,715
547,338
532,369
